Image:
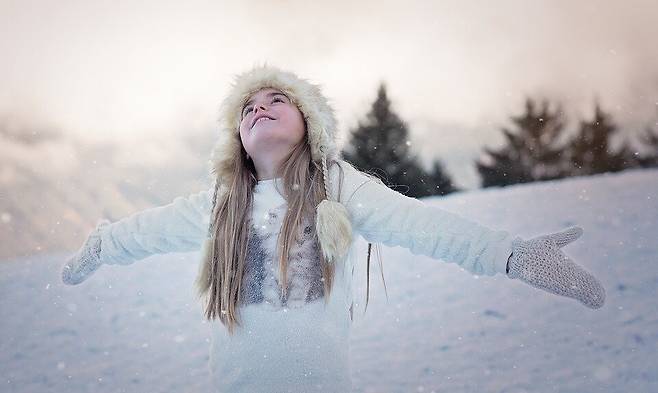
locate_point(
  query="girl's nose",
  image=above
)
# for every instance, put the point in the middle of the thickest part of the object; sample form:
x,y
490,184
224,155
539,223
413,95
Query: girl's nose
x,y
260,106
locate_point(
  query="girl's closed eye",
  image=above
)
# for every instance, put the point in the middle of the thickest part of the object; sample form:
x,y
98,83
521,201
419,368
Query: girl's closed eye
x,y
249,108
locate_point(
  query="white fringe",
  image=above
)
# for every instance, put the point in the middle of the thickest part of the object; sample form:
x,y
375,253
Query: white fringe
x,y
334,230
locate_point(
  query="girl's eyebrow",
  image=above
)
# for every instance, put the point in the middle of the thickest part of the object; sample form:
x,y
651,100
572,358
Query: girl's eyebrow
x,y
270,94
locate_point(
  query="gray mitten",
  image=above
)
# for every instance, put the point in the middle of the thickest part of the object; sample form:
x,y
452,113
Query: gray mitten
x,y
87,260
540,263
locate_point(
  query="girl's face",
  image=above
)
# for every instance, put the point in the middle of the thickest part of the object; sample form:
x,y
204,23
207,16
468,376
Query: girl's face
x,y
271,126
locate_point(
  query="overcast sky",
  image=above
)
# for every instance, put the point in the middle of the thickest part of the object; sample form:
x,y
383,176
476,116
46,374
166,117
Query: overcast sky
x,y
456,70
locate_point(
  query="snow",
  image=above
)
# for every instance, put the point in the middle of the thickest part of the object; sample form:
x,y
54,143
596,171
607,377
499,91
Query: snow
x,y
140,328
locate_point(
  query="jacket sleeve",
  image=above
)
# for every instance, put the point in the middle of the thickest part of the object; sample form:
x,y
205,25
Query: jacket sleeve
x,y
382,215
179,226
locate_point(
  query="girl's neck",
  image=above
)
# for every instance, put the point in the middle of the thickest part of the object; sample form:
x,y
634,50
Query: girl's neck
x,y
268,180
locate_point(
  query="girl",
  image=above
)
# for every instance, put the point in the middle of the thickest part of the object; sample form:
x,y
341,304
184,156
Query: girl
x,y
277,231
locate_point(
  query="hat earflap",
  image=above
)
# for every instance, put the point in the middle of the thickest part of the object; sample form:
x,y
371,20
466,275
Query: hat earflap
x,y
332,224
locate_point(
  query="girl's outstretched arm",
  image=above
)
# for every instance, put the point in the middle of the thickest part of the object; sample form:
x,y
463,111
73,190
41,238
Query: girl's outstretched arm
x,y
176,227
380,214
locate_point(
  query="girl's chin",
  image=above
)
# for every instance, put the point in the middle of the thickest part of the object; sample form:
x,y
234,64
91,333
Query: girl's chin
x,y
271,133
269,146
263,124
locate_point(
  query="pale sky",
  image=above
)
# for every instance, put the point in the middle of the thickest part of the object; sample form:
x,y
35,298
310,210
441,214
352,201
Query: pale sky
x,y
456,70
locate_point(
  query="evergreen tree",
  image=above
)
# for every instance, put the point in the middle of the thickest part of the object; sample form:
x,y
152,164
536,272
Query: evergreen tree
x,y
438,182
434,182
530,154
590,152
650,139
381,146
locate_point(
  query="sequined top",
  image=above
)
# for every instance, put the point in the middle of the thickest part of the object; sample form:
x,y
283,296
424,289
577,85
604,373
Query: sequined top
x,y
261,279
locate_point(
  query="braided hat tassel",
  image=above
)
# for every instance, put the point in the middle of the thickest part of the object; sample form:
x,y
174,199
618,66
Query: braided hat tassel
x,y
332,224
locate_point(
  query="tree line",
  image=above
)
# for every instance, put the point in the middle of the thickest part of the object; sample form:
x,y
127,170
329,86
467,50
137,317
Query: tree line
x,y
533,150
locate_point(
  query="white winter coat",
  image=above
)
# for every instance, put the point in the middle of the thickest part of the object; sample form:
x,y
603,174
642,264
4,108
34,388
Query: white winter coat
x,y
307,348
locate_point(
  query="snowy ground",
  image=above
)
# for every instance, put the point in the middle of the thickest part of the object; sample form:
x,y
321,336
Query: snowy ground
x,y
139,328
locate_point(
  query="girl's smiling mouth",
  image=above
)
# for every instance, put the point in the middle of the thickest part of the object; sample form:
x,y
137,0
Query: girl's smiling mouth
x,y
261,118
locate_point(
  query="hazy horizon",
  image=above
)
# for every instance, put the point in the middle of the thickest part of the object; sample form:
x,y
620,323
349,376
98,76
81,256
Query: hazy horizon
x,y
155,72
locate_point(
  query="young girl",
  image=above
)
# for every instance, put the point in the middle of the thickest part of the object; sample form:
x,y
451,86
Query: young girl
x,y
277,231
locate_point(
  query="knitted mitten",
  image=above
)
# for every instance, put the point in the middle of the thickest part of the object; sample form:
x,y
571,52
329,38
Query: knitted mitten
x,y
87,260
540,263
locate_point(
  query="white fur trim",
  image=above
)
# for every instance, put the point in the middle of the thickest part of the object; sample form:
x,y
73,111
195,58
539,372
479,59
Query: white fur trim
x,y
318,113
334,229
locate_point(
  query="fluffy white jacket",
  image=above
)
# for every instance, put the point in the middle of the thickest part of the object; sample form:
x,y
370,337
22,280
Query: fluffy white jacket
x,y
307,347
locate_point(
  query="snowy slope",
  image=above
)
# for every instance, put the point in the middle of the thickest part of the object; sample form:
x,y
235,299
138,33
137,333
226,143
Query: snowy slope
x,y
139,328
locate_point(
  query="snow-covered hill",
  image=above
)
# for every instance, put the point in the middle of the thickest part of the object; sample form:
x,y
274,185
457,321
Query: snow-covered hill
x,y
139,328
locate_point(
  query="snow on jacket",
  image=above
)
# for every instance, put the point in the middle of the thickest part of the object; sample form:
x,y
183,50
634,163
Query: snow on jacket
x,y
299,343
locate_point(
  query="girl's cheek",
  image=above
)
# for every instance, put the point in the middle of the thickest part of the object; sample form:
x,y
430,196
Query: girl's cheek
x,y
244,128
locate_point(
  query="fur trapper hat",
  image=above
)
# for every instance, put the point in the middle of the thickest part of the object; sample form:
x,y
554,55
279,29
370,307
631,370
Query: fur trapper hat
x,y
332,220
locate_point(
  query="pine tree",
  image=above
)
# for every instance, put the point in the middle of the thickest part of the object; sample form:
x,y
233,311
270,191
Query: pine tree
x,y
590,151
650,139
381,146
438,182
531,153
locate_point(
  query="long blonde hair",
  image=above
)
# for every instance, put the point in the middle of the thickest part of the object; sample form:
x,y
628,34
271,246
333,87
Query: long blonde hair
x,y
220,278
220,281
